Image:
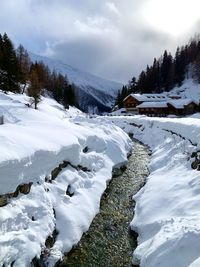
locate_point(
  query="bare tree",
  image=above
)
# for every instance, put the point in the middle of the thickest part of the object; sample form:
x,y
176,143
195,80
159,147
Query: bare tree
x,y
35,88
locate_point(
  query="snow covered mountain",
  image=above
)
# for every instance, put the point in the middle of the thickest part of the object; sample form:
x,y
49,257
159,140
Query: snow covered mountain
x,y
94,93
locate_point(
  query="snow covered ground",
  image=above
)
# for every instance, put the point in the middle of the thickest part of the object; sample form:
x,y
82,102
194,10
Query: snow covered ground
x,y
67,160
167,213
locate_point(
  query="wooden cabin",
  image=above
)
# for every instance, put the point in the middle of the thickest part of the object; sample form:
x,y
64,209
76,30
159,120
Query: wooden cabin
x,y
179,107
153,109
182,107
160,105
132,101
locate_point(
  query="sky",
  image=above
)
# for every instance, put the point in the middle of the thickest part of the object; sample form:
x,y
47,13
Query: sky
x,y
114,39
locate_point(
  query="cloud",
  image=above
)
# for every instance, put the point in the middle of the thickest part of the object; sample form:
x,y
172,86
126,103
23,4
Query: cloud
x,y
112,7
112,39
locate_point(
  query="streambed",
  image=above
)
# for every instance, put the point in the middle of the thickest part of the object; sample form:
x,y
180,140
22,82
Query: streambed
x,y
109,241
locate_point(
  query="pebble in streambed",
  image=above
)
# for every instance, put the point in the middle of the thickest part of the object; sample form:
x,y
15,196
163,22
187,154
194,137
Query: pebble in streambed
x,y
109,243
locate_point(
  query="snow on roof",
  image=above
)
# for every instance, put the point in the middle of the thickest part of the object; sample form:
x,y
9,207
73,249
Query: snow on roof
x,y
148,97
180,103
162,104
174,95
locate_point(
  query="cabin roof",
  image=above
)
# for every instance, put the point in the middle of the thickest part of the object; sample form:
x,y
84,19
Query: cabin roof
x,y
180,103
162,104
148,97
174,95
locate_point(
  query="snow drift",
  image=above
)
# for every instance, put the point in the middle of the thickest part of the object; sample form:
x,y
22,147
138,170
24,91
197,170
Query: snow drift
x,y
167,207
67,160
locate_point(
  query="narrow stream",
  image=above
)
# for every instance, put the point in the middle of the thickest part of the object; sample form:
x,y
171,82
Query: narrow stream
x,y
109,242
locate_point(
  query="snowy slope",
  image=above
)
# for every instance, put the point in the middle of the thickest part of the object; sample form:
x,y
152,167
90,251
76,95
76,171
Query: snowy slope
x,y
93,90
65,160
189,89
167,207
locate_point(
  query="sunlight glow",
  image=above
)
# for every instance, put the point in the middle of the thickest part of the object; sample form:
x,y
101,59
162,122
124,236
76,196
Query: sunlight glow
x,y
175,17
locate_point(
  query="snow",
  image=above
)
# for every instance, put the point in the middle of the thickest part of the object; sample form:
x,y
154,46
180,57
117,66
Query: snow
x,y
79,77
167,207
32,144
189,89
180,103
95,94
153,105
148,97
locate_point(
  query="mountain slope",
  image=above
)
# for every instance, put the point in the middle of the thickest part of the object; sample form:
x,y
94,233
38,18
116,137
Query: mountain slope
x,y
93,92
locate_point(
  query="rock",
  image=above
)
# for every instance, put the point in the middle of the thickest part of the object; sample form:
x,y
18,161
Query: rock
x,y
25,188
51,239
85,150
16,193
69,192
3,200
65,164
55,172
194,155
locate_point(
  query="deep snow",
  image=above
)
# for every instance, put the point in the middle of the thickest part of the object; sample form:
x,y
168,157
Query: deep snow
x,y
32,144
167,207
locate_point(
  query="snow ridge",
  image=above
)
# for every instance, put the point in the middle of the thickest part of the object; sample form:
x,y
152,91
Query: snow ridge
x,y
167,207
67,159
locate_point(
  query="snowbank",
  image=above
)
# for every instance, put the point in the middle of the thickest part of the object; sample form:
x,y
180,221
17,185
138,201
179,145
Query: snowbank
x,y
67,161
167,207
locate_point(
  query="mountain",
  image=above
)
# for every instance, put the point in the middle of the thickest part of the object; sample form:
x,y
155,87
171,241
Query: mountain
x,y
95,94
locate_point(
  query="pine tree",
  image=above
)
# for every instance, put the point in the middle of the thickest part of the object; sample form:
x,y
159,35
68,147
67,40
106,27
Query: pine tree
x,y
132,86
9,66
142,87
197,68
180,65
24,63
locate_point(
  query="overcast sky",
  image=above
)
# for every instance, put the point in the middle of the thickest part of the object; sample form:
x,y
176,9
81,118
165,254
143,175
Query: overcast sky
x,y
114,39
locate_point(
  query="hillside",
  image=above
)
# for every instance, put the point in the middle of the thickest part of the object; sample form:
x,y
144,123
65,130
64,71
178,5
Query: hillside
x,y
189,89
94,93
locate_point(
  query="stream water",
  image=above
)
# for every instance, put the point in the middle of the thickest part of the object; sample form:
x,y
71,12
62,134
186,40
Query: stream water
x,y
109,241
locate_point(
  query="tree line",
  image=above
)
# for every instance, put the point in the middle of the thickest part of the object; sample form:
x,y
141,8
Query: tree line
x,y
19,75
166,71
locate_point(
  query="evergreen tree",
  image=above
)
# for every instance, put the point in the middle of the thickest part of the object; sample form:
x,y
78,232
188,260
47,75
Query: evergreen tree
x,y
24,63
121,96
142,82
9,65
197,68
132,86
59,84
71,95
180,65
166,71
